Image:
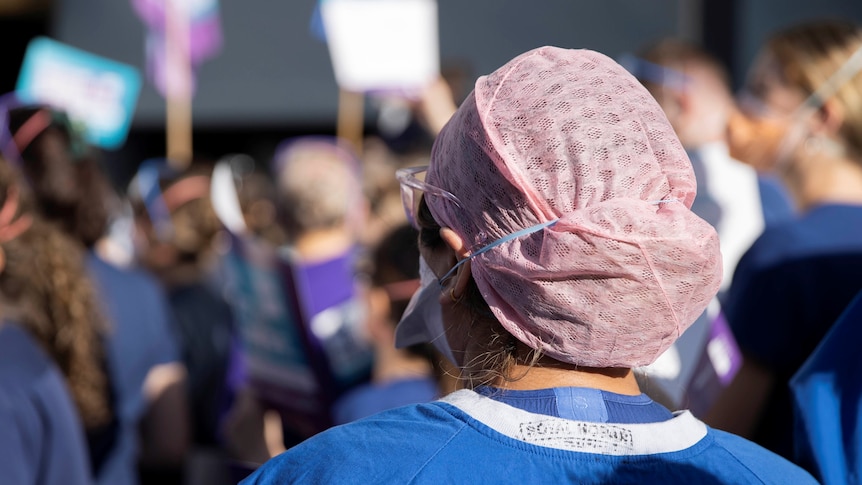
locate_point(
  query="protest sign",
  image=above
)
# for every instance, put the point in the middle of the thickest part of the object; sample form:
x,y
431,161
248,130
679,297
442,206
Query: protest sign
x,y
382,45
200,31
692,373
97,92
298,358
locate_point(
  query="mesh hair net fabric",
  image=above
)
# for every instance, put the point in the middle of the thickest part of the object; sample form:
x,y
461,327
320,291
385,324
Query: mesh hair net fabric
x,y
570,135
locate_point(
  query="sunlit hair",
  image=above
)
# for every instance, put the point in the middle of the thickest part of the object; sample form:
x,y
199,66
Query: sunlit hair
x,y
44,287
809,54
318,186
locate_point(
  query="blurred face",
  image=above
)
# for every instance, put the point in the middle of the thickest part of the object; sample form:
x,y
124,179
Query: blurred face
x,y
698,109
766,131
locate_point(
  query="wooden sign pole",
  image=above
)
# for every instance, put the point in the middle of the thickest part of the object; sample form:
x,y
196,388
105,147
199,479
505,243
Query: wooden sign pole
x,y
178,86
350,124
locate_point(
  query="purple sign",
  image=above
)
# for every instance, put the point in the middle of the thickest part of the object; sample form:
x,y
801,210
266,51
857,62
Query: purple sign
x,y
723,351
717,366
203,30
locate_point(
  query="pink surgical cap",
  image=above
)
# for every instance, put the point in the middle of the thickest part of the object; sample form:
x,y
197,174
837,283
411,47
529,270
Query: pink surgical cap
x,y
570,135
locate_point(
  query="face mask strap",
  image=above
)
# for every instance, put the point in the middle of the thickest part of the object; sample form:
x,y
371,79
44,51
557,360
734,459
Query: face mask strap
x,y
514,235
664,76
35,125
815,101
835,82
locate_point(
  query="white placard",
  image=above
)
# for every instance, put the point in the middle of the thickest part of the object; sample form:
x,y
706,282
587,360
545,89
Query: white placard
x,y
382,45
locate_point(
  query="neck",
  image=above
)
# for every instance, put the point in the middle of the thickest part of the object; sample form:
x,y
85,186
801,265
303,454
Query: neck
x,y
524,377
323,244
823,181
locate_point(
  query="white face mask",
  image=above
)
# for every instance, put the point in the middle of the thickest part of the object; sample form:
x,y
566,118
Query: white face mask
x,y
422,322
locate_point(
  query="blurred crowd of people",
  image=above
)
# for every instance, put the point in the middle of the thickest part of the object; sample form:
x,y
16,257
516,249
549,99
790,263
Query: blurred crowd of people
x,y
197,323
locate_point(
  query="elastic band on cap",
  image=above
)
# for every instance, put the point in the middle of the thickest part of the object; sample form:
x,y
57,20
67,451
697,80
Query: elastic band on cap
x,y
514,235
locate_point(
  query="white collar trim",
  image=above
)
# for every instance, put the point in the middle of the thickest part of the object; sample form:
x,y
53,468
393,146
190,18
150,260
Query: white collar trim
x,y
680,432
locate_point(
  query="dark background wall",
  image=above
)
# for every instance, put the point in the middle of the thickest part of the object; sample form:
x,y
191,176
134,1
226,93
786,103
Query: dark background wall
x,y
273,72
273,79
755,20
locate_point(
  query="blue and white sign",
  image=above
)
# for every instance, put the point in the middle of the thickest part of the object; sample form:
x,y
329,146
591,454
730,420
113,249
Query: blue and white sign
x,y
99,93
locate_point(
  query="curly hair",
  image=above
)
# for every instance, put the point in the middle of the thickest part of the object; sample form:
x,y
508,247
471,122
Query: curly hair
x,y
45,289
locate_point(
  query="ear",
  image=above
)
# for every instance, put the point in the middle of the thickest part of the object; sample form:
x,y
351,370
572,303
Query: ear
x,y
682,99
672,101
462,275
829,118
833,115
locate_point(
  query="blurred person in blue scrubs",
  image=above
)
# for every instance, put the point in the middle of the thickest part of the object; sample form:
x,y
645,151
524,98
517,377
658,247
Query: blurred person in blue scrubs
x,y
147,379
802,119
56,405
